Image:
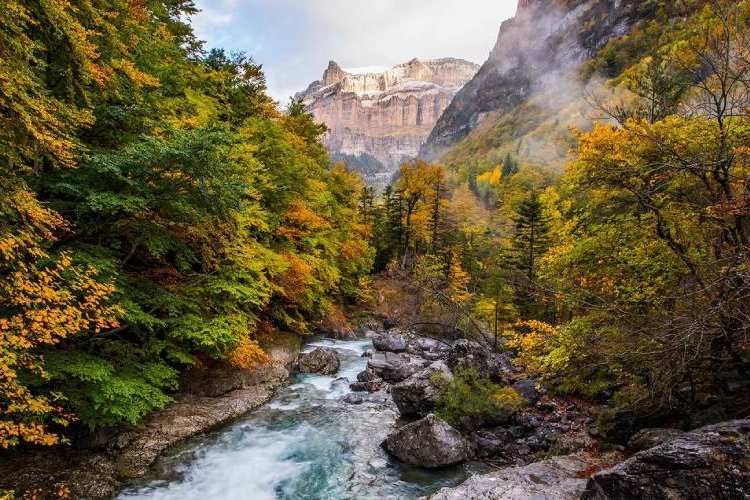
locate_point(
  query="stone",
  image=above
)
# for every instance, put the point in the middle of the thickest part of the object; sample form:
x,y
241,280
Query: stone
x,y
711,462
321,360
427,348
395,368
418,394
390,341
648,438
429,442
466,354
368,381
553,479
358,398
528,389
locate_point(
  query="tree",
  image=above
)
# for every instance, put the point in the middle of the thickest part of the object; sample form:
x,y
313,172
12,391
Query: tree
x,y
531,236
510,167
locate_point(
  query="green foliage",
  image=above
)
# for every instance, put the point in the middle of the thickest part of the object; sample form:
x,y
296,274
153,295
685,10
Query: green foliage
x,y
170,174
468,400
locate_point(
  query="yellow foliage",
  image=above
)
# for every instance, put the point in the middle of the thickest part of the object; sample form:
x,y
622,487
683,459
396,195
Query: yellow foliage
x,y
491,177
248,354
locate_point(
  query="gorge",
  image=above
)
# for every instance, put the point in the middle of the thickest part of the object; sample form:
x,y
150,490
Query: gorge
x,y
436,280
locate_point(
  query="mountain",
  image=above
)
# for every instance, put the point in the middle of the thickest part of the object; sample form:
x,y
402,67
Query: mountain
x,y
533,64
384,115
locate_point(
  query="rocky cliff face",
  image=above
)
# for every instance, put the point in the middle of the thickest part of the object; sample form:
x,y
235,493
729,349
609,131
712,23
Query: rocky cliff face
x,y
537,49
386,114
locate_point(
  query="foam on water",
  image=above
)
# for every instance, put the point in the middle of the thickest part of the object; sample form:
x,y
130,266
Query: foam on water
x,y
304,444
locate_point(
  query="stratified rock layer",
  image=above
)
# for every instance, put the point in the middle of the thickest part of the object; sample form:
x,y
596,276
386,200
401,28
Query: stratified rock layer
x,y
385,114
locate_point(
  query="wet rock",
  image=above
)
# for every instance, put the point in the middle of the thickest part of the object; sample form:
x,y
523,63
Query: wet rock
x,y
395,368
358,398
711,462
321,360
418,394
466,354
553,479
429,442
648,438
390,341
368,381
373,386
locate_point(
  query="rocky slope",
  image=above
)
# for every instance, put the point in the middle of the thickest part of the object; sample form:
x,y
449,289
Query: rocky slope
x,y
384,114
536,53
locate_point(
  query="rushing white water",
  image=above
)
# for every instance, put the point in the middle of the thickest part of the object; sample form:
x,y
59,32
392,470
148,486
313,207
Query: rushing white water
x,y
305,444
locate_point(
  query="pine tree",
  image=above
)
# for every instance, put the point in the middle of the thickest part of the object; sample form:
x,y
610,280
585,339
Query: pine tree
x,y
531,238
510,166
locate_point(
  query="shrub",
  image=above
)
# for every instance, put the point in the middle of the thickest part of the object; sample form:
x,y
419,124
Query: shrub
x,y
469,401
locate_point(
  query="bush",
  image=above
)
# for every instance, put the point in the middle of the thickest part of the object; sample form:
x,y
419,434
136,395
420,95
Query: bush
x,y
470,401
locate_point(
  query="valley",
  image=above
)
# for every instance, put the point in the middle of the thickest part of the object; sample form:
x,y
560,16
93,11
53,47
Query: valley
x,y
434,279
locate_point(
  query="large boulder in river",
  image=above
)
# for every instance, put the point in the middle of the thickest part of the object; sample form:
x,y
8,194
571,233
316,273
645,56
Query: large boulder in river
x,y
429,442
711,462
368,381
321,360
553,479
418,394
395,367
466,354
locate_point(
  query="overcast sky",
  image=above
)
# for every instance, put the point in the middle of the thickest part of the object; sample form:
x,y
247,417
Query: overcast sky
x,y
295,39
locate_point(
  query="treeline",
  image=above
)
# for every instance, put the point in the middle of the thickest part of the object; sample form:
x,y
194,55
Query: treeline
x,y
156,211
627,280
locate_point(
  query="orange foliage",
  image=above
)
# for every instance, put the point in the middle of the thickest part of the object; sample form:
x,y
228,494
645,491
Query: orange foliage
x,y
248,354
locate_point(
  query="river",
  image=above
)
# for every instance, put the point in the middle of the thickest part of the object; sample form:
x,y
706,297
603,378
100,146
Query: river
x,y
305,444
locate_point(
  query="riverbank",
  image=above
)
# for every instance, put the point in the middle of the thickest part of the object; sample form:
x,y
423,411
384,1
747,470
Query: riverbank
x,y
98,466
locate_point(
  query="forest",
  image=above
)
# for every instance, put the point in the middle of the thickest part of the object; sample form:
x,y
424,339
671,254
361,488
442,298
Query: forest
x,y
158,211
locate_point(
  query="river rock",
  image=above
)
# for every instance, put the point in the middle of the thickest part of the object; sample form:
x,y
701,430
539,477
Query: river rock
x,y
427,348
429,442
321,360
395,368
466,354
648,438
368,381
390,341
552,479
358,398
711,462
418,394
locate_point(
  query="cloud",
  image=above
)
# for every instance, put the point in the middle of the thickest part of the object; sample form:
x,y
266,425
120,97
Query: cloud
x,y
295,39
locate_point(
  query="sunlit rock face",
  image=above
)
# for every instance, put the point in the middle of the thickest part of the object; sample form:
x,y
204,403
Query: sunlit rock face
x,y
385,113
538,49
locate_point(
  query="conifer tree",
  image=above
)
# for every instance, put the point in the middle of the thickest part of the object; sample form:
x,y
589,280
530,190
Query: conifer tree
x,y
531,238
510,166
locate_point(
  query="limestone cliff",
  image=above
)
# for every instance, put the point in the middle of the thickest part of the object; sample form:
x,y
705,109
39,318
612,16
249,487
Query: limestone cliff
x,y
384,114
535,51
